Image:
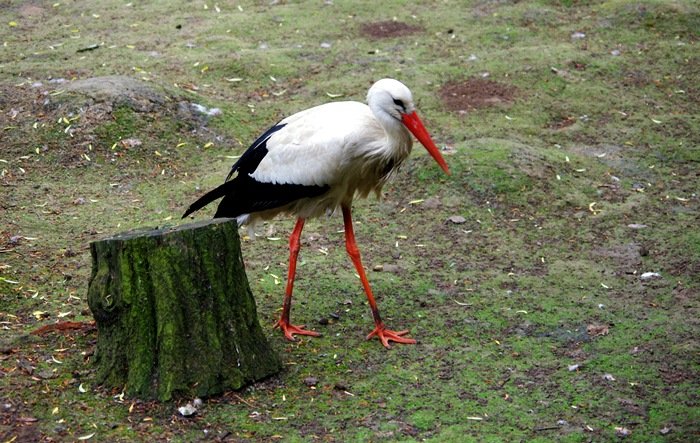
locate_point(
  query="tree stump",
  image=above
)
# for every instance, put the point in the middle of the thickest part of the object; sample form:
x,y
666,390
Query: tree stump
x,y
174,313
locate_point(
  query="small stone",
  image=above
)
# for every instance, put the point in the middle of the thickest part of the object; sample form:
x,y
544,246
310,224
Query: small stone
x,y
187,410
650,276
323,321
622,431
340,386
432,203
131,142
310,381
46,374
456,219
394,269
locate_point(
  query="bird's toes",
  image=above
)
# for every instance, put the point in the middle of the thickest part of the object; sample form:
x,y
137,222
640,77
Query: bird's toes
x,y
387,335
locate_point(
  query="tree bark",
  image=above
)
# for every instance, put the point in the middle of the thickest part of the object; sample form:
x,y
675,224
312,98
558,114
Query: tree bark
x,y
174,313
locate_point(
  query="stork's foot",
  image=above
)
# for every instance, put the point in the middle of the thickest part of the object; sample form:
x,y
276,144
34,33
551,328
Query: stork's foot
x,y
387,335
290,330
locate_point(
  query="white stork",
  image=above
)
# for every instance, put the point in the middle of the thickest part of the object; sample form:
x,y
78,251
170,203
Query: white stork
x,y
317,160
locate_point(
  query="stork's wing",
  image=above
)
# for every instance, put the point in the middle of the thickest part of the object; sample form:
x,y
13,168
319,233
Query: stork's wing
x,y
302,156
316,146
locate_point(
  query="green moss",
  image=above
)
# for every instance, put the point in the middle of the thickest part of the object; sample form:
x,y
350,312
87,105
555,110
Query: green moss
x,y
171,336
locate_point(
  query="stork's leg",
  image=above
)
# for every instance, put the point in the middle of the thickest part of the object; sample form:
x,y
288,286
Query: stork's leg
x,y
384,334
283,323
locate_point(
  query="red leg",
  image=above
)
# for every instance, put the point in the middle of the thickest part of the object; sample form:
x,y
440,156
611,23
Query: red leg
x,y
283,323
384,334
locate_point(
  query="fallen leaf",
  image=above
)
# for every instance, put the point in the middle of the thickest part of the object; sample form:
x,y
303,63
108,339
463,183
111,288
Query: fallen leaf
x,y
596,330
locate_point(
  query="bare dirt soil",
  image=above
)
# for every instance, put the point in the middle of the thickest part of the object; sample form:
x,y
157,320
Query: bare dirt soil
x,y
476,93
389,29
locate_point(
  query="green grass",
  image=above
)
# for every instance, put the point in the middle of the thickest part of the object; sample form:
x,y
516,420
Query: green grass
x,y
602,134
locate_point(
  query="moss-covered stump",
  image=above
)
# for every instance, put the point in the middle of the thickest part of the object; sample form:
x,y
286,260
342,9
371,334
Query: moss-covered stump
x,y
174,313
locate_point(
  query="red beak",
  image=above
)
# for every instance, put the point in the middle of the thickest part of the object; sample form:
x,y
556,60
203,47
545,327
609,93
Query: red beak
x,y
415,125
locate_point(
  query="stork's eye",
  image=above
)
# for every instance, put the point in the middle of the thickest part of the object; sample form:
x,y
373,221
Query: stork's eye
x,y
400,104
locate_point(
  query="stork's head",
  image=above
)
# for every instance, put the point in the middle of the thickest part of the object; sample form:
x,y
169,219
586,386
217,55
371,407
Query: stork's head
x,y
394,99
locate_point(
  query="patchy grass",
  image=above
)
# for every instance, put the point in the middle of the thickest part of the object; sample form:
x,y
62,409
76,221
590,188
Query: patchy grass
x,y
581,179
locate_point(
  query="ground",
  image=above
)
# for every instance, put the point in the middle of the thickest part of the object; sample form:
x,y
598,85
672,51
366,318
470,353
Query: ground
x,y
551,280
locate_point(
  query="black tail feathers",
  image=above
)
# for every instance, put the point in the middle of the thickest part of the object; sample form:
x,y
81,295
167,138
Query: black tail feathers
x,y
214,194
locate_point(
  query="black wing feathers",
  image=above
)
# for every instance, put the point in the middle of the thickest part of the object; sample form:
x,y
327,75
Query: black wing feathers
x,y
209,197
244,195
251,196
252,157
